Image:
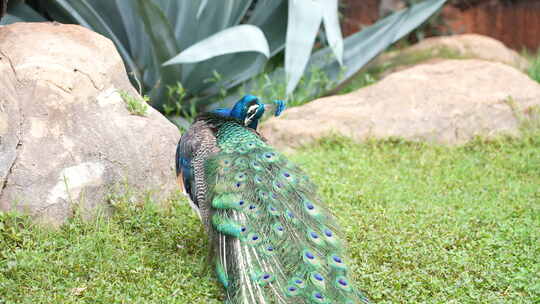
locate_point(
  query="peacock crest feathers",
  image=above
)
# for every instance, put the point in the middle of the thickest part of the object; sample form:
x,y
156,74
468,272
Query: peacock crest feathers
x,y
275,242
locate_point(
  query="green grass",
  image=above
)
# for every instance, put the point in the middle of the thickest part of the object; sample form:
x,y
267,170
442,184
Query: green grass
x,y
534,68
134,105
437,225
425,224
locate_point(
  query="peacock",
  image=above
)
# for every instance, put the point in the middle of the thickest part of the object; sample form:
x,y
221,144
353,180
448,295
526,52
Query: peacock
x,y
272,239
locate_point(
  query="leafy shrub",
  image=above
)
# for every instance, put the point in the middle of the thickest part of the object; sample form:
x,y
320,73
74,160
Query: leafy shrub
x,y
534,68
134,105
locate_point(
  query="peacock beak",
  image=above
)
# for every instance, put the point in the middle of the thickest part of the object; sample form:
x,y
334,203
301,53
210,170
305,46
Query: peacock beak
x,y
275,108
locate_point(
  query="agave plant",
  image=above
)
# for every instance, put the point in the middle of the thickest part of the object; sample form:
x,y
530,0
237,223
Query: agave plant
x,y
3,8
211,47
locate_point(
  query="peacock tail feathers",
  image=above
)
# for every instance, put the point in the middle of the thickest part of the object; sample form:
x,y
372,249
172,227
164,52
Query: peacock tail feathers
x,y
274,240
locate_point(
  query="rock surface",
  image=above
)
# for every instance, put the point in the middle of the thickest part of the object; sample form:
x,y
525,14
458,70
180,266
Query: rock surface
x,y
466,45
448,102
66,136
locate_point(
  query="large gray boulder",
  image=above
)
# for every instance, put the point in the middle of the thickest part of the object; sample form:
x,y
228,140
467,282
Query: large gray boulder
x,y
66,137
447,102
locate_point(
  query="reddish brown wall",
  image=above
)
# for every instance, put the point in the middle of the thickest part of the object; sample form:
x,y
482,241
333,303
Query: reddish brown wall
x,y
357,13
517,25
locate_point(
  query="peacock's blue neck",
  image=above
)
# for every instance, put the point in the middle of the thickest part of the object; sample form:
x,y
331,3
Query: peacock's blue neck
x,y
223,112
253,124
239,110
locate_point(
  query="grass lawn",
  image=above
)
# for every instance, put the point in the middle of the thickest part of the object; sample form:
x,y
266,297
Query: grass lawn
x,y
425,224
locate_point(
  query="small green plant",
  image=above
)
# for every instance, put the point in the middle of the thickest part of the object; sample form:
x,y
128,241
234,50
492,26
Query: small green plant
x,y
532,123
176,102
362,80
534,68
181,112
220,90
436,25
134,105
528,119
313,85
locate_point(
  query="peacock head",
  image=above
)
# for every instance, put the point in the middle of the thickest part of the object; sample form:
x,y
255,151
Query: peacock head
x,y
249,110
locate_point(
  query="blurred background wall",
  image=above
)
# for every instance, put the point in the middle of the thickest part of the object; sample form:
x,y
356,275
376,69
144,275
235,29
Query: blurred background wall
x,y
514,22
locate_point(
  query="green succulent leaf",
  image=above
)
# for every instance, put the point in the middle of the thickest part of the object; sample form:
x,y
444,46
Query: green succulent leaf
x,y
94,18
226,43
19,12
359,48
164,45
8,19
138,43
241,38
332,27
304,22
201,8
363,46
271,18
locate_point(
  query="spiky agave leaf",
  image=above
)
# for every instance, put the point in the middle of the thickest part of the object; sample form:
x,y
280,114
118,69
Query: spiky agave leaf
x,y
143,45
359,49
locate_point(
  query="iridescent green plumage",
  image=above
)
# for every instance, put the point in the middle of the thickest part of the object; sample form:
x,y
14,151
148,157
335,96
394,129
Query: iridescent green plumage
x,y
274,241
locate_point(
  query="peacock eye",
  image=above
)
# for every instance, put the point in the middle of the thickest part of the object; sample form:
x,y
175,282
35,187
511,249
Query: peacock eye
x,y
252,109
